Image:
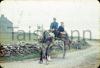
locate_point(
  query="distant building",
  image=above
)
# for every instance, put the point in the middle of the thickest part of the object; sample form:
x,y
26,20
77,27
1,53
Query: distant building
x,y
5,24
5,31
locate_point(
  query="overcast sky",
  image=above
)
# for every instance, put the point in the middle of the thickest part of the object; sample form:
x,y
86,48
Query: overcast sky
x,y
76,14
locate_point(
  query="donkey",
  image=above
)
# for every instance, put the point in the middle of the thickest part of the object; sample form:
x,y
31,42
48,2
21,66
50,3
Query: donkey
x,y
46,41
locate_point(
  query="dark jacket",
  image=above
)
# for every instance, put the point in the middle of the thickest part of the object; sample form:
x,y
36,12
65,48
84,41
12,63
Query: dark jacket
x,y
61,29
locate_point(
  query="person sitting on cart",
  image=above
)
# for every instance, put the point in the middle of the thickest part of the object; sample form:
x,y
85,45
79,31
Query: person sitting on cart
x,y
54,27
61,31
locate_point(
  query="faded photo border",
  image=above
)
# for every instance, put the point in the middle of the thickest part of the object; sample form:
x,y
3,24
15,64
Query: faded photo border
x,y
24,18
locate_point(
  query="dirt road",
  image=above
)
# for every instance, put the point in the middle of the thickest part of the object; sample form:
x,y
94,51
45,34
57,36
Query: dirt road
x,y
87,58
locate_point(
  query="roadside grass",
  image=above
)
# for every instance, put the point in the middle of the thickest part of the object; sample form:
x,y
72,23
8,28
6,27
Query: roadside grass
x,y
19,58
